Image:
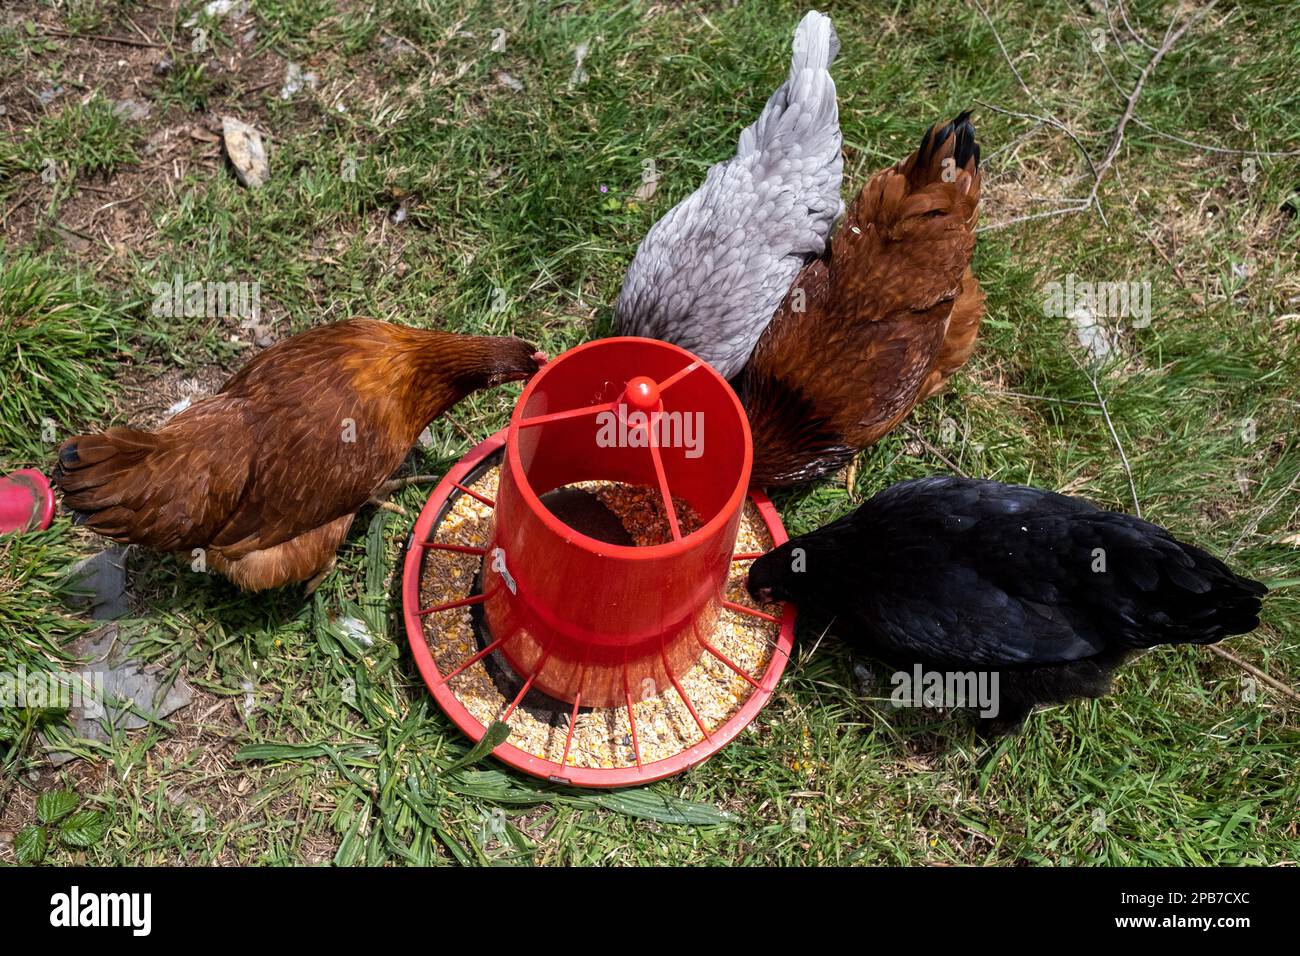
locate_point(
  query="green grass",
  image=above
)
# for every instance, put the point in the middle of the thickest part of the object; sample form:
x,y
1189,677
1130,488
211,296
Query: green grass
x,y
81,139
59,334
344,756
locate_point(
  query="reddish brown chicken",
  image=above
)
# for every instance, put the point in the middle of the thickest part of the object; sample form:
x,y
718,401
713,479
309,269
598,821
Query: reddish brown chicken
x,y
878,323
266,476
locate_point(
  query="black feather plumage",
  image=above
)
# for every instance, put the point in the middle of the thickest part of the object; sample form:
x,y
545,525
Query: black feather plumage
x,y
1048,590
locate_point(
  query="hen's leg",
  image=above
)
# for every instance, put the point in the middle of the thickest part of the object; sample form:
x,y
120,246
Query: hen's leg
x,y
397,484
380,496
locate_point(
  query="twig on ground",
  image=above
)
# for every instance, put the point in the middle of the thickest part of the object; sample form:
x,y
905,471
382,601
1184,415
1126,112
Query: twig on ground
x,y
1050,120
258,88
1114,34
110,205
1079,205
1099,170
124,41
1003,47
1253,525
1046,398
1110,425
397,484
1129,27
1117,138
134,26
1215,149
911,430
465,432
1252,669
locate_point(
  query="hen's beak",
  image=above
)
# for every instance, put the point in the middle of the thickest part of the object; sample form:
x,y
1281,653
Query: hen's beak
x,y
540,358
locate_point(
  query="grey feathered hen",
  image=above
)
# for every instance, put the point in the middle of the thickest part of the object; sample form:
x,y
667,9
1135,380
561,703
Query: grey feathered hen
x,y
710,274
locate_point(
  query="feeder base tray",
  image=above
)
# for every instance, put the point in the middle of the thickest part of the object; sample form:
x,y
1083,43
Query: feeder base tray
x,y
605,746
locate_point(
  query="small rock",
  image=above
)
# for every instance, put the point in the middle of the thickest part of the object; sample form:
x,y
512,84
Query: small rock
x,y
73,241
294,81
133,110
47,96
246,152
99,583
864,679
579,75
1092,334
509,82
162,67
646,191
114,686
220,8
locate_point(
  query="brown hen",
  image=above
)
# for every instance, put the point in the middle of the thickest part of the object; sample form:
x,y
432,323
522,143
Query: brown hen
x,y
266,476
878,323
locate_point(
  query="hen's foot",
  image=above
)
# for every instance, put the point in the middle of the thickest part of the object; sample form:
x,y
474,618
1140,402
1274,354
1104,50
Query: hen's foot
x,y
397,484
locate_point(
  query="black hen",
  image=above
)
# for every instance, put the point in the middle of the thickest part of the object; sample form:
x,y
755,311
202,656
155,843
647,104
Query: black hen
x,y
1047,591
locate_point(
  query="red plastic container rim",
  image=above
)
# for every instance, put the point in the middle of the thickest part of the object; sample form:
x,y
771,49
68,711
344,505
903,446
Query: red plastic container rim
x,y
691,365
536,766
35,498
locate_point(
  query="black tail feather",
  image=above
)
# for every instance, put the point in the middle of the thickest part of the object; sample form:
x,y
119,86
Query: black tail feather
x,y
964,148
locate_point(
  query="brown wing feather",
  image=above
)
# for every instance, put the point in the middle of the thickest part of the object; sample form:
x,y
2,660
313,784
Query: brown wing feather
x,y
959,343
876,318
172,489
325,443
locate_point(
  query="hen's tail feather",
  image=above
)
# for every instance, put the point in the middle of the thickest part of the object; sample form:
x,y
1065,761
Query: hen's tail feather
x,y
953,140
816,44
89,465
101,479
808,90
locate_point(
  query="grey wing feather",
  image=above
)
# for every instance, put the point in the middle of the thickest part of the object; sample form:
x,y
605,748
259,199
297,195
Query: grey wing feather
x,y
711,273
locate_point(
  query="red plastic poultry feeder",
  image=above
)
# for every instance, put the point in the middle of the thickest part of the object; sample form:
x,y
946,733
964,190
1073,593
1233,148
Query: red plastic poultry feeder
x,y
583,621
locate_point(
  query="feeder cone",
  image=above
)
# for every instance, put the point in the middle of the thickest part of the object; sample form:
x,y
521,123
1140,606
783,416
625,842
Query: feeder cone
x,y
590,622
